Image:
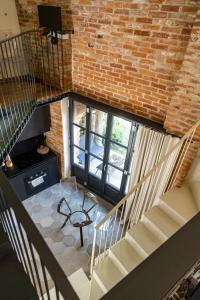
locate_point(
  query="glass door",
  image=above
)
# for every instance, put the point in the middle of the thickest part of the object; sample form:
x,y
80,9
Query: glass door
x,y
78,139
98,128
119,154
101,150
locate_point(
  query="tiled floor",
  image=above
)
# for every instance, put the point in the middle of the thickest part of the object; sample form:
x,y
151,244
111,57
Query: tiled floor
x,y
64,243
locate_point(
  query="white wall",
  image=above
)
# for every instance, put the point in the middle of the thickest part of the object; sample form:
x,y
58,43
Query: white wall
x,y
9,24
66,135
194,174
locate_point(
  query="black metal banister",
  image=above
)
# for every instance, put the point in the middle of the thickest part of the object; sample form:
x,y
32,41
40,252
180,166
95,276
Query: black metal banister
x,y
10,202
31,74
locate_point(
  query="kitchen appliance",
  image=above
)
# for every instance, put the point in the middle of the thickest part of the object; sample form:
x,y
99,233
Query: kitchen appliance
x,y
33,172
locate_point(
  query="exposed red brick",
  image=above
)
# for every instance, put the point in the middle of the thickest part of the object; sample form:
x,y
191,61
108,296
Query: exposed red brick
x,y
144,20
170,8
140,63
142,32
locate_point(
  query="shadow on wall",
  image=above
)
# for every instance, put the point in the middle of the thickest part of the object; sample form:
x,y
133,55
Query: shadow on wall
x,y
194,173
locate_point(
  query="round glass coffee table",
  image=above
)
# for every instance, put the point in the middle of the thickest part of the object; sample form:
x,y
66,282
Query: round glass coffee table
x,y
78,216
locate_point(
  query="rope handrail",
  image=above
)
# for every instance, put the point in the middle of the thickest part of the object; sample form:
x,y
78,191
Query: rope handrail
x,y
165,157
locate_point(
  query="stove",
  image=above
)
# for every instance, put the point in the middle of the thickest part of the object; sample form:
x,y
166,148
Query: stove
x,y
27,160
33,172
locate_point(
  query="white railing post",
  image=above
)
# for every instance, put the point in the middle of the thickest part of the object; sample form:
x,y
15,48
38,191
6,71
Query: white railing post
x,y
93,251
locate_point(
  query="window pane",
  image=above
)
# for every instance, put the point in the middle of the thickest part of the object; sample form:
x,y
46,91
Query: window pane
x,y
114,177
98,121
97,145
79,157
120,131
95,166
117,155
79,114
79,136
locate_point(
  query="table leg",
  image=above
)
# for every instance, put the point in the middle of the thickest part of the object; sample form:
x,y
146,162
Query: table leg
x,y
81,235
65,222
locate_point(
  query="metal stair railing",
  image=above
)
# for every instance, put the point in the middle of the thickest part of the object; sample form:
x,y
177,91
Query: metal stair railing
x,y
31,74
114,225
33,253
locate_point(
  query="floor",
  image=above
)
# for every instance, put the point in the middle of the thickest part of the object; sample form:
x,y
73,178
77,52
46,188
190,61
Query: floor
x,y
65,243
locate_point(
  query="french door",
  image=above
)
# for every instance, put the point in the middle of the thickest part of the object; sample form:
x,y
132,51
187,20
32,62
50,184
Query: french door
x,y
101,149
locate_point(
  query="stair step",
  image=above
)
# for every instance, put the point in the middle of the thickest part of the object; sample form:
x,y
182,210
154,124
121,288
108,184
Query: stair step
x,y
80,283
172,213
125,256
160,222
145,239
180,201
107,274
96,291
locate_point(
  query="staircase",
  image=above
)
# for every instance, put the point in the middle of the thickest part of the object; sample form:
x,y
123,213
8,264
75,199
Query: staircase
x,y
176,207
122,242
31,74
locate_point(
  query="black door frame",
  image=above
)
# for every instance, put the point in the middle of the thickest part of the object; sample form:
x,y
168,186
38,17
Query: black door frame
x,y
84,175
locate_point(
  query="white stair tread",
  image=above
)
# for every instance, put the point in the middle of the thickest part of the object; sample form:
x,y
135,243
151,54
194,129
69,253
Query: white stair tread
x,y
80,283
181,200
144,237
96,292
83,292
162,221
125,255
107,274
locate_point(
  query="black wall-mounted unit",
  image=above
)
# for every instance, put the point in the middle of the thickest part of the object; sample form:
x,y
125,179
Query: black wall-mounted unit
x,y
38,124
50,17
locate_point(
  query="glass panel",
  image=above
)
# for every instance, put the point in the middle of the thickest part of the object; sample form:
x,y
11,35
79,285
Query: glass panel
x,y
117,155
98,121
79,114
97,145
95,166
79,136
114,177
79,157
120,131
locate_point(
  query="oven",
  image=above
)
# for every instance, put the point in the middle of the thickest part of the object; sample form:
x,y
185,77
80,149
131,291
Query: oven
x,y
36,182
35,177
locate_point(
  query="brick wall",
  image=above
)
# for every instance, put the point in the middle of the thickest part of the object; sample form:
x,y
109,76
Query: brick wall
x,y
135,55
184,109
28,19
129,52
54,136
